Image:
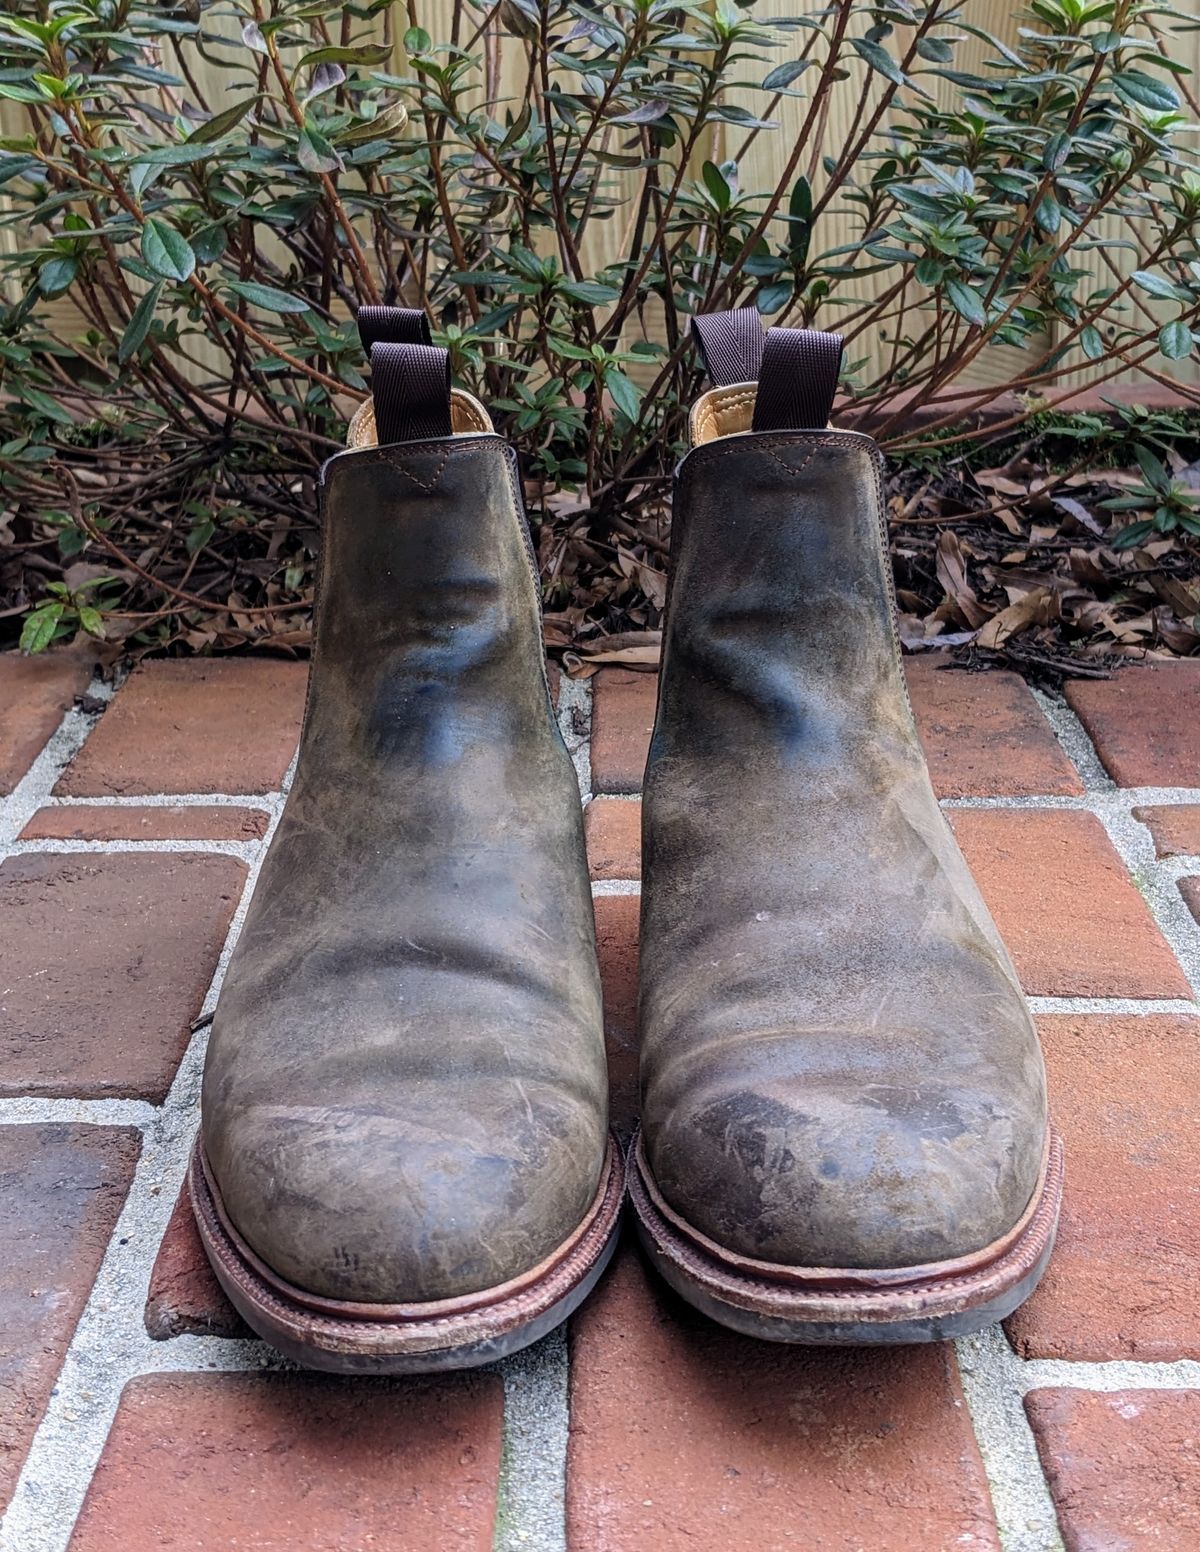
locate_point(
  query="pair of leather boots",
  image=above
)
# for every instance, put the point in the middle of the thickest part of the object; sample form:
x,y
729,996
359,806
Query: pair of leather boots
x,y
405,1161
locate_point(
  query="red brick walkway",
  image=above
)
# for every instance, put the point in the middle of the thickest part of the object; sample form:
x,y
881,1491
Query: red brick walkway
x,y
135,1412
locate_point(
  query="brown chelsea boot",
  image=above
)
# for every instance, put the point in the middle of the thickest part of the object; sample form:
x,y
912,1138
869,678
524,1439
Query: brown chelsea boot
x,y
404,1162
844,1134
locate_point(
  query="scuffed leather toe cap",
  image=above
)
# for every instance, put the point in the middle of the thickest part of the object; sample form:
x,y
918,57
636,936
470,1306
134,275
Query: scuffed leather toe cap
x,y
418,1203
828,1175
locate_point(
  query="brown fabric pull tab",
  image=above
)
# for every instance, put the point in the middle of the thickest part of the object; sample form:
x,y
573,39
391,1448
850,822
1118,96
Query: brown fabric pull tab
x,y
730,345
392,326
797,380
411,388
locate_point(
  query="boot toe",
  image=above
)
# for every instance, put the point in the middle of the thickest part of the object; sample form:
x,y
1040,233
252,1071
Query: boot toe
x,y
880,1176
403,1207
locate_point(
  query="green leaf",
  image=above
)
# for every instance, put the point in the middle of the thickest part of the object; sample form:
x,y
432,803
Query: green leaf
x,y
386,125
361,54
139,324
56,275
590,292
624,394
316,154
1048,214
221,123
417,41
38,630
1175,340
1091,342
879,59
1159,285
935,49
1128,537
92,620
1152,467
209,243
966,302
771,298
1136,86
799,220
783,75
199,536
45,405
648,113
1058,148
267,297
166,251
719,191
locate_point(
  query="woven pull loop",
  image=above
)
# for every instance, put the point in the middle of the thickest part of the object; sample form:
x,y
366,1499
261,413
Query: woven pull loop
x,y
730,345
392,326
797,380
410,384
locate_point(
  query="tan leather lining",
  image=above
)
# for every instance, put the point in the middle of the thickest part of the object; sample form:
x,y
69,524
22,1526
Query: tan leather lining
x,y
467,418
723,412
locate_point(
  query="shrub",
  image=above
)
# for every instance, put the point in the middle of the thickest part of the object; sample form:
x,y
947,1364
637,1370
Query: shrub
x,y
214,245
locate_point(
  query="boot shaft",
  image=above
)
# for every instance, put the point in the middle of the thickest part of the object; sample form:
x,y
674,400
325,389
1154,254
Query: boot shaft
x,y
780,615
428,614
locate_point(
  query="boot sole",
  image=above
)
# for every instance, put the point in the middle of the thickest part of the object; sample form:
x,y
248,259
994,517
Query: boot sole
x,y
461,1333
828,1306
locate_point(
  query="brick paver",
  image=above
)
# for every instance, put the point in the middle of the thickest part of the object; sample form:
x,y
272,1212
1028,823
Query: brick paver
x,y
614,837
185,1298
1124,1468
622,722
297,1464
1145,723
1175,830
686,1436
104,962
124,822
1125,1093
34,694
617,949
61,1191
194,726
985,735
1065,906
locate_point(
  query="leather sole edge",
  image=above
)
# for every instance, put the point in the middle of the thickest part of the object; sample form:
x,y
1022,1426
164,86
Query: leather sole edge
x,y
489,1325
930,1307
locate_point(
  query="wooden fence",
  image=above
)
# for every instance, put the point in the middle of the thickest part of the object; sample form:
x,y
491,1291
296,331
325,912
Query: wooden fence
x,y
766,157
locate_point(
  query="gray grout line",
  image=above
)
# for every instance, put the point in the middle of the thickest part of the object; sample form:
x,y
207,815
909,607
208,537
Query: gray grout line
x,y
1114,1006
1075,742
259,800
615,886
575,724
531,1509
58,847
32,1110
1111,800
992,1384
